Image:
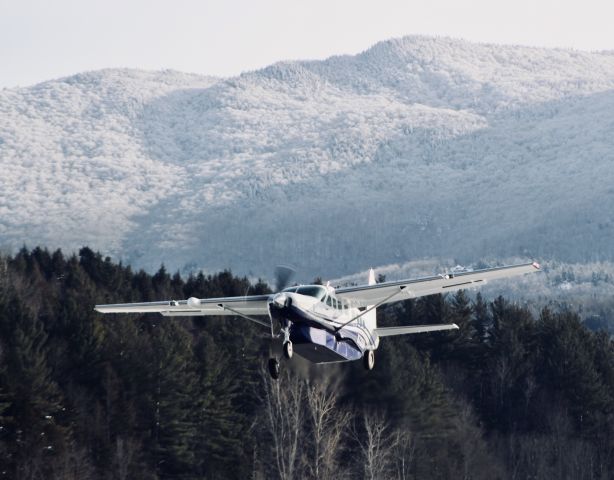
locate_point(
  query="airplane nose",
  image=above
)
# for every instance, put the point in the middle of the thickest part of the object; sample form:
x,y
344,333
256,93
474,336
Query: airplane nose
x,y
282,300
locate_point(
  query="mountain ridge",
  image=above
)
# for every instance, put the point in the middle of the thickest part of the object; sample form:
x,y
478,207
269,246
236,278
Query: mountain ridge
x,y
416,147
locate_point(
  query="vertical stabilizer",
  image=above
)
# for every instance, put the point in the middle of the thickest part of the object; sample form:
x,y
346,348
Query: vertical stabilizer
x,y
370,318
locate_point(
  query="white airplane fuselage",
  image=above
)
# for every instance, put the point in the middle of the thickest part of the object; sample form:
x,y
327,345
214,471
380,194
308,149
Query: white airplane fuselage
x,y
316,325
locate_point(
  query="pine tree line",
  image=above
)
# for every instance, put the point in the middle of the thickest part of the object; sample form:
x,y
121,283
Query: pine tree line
x,y
87,396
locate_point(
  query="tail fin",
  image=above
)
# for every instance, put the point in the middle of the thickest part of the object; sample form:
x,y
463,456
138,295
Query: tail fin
x,y
370,318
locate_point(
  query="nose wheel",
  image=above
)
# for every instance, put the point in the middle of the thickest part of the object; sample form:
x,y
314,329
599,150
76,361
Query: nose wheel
x,y
274,368
274,365
288,351
283,338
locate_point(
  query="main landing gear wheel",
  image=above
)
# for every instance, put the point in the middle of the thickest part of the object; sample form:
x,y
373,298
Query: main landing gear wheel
x,y
369,359
288,350
274,368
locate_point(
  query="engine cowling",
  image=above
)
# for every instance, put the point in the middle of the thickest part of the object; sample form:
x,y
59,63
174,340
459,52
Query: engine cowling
x,y
282,300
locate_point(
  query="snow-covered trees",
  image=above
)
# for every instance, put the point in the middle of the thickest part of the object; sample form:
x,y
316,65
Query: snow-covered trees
x,y
437,147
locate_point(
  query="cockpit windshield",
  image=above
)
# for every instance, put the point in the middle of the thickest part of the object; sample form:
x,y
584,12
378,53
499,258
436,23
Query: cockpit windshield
x,y
315,291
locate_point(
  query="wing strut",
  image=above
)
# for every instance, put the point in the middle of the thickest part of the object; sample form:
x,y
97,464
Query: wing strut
x,y
389,331
236,312
401,288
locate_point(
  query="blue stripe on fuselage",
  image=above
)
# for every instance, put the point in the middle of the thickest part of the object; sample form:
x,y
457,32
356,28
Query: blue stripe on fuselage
x,y
350,333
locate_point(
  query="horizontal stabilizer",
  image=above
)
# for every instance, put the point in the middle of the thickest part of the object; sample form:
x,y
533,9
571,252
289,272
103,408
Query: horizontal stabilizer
x,y
389,331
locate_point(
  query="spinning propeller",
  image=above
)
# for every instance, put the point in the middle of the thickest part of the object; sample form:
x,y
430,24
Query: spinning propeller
x,y
283,276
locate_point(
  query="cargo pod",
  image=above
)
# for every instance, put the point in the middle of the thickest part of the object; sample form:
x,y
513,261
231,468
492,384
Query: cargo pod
x,y
320,346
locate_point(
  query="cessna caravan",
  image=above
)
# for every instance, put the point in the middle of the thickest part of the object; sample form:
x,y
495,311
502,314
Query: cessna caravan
x,y
324,324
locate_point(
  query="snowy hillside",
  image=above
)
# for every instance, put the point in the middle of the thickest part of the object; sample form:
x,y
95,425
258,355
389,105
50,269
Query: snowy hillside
x,y
418,147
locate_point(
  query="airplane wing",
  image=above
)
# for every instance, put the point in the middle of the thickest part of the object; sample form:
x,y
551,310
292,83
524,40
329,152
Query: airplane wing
x,y
389,331
389,292
242,306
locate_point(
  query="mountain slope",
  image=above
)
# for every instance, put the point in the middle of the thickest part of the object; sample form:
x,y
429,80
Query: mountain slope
x,y
416,147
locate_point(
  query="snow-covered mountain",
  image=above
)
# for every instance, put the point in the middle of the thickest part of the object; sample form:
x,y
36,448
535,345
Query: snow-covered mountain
x,y
417,147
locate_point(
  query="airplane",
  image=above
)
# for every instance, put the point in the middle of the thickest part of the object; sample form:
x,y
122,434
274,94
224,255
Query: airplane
x,y
324,324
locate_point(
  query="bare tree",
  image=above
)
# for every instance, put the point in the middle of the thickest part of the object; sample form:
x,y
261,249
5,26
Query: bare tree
x,y
404,453
31,468
73,464
328,424
124,456
283,402
376,443
475,461
502,372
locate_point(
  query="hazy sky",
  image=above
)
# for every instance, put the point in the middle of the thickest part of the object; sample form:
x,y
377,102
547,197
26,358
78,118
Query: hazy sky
x,y
43,39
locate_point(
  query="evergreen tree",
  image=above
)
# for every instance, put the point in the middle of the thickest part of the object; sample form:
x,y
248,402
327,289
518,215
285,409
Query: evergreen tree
x,y
510,362
481,319
221,427
140,396
461,344
34,399
568,367
173,387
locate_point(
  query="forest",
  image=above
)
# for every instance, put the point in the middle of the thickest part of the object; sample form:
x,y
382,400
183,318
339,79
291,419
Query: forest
x,y
512,394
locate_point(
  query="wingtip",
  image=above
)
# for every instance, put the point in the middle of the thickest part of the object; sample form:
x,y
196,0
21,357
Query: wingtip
x,y
536,265
455,326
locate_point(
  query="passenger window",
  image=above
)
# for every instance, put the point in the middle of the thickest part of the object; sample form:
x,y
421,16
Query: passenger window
x,y
329,301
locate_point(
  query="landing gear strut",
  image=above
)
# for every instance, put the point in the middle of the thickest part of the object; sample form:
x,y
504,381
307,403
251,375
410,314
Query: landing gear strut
x,y
282,338
368,359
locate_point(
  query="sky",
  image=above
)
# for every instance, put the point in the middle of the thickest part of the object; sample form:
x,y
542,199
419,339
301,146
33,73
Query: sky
x,y
42,39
